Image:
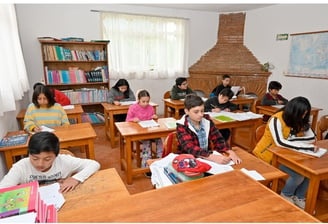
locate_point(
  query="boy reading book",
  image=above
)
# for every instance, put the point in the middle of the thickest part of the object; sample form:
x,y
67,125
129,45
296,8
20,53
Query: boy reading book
x,y
46,165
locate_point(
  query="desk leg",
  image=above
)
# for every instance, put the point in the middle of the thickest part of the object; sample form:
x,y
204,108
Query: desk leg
x,y
79,118
106,117
128,157
111,130
9,159
177,113
122,158
312,193
165,110
90,149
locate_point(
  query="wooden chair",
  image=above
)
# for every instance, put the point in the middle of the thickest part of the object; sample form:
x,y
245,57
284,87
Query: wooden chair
x,y
66,152
167,95
170,144
322,126
170,111
259,132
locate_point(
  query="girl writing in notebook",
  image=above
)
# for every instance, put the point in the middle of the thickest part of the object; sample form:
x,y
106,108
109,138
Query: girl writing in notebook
x,y
141,111
289,128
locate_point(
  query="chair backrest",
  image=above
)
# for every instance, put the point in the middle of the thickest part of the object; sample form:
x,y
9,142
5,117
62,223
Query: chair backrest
x,y
67,152
259,132
322,126
170,144
199,92
167,94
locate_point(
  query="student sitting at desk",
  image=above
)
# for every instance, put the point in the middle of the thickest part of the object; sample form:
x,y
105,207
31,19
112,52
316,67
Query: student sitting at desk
x,y
120,92
225,84
272,97
46,165
180,89
289,128
60,97
142,111
44,111
197,134
221,103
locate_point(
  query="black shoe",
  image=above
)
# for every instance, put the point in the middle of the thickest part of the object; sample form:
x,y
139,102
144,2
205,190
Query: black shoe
x,y
148,174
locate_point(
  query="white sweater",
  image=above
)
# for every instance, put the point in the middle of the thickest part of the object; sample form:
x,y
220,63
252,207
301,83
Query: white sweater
x,y
63,166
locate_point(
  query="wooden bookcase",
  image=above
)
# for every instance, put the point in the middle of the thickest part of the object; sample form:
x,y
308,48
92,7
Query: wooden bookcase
x,y
79,69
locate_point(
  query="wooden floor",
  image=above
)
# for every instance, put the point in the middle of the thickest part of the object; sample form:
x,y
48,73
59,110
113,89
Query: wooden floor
x,y
109,158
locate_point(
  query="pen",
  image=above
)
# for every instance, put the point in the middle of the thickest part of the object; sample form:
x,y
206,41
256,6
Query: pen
x,y
213,106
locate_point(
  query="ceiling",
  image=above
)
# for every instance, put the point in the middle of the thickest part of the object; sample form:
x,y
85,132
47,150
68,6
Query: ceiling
x,y
212,7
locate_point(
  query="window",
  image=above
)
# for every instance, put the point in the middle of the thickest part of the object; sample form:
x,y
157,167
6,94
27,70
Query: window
x,y
13,77
145,46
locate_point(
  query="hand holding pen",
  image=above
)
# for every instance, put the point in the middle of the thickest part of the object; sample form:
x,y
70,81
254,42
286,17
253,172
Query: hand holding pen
x,y
215,108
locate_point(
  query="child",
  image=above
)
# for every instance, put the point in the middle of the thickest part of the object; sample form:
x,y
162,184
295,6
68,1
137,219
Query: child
x,y
221,103
141,111
46,166
44,111
273,97
225,84
289,128
197,134
118,93
60,97
180,89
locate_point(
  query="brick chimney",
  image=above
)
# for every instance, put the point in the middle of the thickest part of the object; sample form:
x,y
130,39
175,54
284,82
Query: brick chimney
x,y
229,56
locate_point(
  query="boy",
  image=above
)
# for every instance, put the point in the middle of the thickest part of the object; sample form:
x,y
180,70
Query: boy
x,y
225,84
46,166
221,103
273,97
197,134
180,89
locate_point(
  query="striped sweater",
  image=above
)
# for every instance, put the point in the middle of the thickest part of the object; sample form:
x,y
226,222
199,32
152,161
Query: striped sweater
x,y
50,117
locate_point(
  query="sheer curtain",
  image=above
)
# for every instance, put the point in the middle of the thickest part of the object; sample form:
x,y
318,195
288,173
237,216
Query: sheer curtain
x,y
146,46
13,76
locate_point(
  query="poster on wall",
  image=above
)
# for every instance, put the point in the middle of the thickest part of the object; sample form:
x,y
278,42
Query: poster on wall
x,y
309,55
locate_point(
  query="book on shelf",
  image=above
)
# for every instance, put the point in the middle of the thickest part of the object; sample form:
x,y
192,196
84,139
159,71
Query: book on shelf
x,y
13,140
48,39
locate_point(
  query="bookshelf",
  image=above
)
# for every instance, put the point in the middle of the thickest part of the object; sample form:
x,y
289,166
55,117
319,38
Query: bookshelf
x,y
79,69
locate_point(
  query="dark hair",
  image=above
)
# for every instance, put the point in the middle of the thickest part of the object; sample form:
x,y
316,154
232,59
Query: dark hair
x,y
43,142
293,114
225,77
226,92
275,85
37,84
143,93
123,82
180,80
47,92
192,100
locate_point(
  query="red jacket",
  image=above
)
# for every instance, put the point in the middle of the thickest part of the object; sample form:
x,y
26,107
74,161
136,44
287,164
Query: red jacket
x,y
61,98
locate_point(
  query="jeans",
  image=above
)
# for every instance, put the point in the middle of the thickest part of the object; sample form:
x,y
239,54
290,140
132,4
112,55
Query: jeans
x,y
296,184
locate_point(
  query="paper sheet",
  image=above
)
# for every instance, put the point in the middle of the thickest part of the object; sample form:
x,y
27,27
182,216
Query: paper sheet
x,y
50,195
253,174
148,124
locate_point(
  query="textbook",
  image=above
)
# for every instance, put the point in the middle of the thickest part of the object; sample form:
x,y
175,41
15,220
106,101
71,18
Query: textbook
x,y
20,139
19,199
223,118
148,124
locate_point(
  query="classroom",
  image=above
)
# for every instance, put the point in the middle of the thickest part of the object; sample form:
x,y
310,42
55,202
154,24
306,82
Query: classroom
x,y
262,25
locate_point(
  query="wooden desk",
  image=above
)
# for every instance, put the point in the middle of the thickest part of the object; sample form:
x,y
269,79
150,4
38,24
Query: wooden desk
x,y
75,113
251,124
227,197
316,169
269,110
109,111
177,105
241,100
81,134
104,185
130,132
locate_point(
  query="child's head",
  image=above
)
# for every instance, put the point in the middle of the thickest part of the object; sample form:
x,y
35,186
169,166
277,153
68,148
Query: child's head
x,y
226,80
122,85
297,113
225,95
181,82
194,107
37,84
143,98
274,87
43,149
43,96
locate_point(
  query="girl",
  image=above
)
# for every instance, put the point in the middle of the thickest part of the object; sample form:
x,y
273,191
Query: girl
x,y
121,92
44,111
289,128
141,111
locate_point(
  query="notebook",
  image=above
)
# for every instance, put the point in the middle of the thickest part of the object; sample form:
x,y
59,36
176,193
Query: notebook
x,y
235,90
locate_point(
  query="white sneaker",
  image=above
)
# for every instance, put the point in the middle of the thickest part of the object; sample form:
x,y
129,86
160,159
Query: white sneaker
x,y
299,202
288,198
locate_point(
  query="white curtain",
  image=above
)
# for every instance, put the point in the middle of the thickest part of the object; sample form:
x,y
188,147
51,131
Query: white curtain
x,y
13,76
146,46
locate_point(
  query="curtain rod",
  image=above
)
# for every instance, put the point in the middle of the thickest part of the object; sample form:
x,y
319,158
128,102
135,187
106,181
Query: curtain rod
x,y
138,14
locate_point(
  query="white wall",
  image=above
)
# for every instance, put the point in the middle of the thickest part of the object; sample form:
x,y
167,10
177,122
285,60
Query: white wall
x,y
67,20
261,29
